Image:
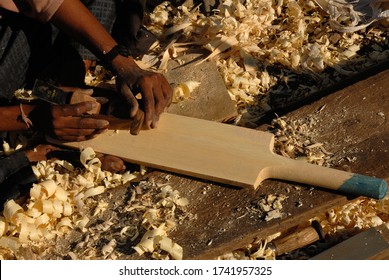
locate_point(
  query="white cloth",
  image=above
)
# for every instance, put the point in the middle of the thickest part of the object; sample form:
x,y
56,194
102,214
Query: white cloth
x,y
41,10
354,15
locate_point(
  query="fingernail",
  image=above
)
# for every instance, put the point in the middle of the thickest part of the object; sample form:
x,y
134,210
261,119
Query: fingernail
x,y
117,166
102,123
155,123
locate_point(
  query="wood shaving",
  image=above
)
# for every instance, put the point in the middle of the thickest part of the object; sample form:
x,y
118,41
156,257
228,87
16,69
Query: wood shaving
x,y
184,90
59,203
296,139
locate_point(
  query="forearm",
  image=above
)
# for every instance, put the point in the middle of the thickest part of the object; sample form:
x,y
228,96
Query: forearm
x,y
76,20
11,117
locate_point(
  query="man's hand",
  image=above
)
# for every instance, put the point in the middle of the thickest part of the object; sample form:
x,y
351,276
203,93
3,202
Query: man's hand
x,y
69,125
156,93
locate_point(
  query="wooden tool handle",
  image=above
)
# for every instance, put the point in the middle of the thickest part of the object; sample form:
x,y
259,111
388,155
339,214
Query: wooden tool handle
x,y
330,178
294,241
134,125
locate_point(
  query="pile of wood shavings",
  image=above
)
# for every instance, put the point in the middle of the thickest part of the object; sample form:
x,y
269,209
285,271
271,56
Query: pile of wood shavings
x,y
268,52
254,251
270,206
361,214
62,201
296,139
283,49
140,224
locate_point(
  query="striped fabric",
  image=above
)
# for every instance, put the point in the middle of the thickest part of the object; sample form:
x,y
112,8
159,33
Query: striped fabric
x,y
26,45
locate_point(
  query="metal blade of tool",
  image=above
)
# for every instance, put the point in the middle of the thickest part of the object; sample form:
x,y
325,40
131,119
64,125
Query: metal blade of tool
x,y
50,93
372,243
56,95
210,100
223,153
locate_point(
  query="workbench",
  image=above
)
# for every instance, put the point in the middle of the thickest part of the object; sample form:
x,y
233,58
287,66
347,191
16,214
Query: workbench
x,y
352,124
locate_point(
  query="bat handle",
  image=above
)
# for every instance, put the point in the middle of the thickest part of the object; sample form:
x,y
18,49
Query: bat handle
x,y
330,178
365,186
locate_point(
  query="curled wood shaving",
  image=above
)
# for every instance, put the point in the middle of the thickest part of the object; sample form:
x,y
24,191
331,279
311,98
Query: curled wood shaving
x,y
158,222
184,90
56,203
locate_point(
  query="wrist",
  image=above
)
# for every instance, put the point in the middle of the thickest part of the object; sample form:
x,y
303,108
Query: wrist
x,y
112,58
109,56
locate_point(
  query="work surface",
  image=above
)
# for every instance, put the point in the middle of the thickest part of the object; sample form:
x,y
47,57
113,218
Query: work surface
x,y
351,123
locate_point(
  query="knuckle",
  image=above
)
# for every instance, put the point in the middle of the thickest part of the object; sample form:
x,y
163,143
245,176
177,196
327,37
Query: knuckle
x,y
78,109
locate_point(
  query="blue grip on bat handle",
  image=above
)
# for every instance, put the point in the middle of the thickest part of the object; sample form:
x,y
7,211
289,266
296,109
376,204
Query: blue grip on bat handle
x,y
365,186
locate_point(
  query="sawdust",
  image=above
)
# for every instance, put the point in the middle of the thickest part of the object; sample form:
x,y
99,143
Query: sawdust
x,y
296,139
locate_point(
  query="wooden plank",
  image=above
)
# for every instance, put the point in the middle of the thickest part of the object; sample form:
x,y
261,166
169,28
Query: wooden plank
x,y
352,123
227,218
210,100
223,153
359,144
383,230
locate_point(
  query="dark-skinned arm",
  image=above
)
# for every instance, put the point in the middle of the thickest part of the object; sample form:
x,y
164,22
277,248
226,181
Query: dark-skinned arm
x,y
75,19
60,121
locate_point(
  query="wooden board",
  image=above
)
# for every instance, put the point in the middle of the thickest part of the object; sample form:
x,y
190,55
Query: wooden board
x,y
210,100
223,153
224,215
